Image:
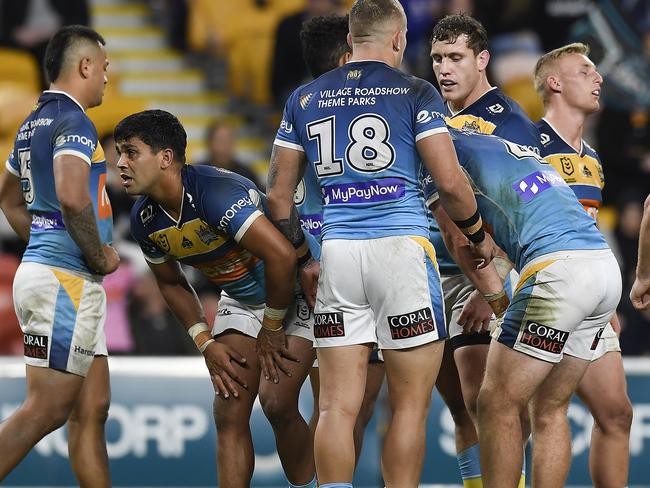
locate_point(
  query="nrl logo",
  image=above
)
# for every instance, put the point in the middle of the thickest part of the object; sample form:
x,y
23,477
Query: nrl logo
x,y
354,74
163,242
567,165
206,235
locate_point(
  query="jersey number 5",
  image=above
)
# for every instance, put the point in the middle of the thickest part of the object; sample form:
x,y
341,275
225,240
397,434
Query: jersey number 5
x,y
25,159
368,150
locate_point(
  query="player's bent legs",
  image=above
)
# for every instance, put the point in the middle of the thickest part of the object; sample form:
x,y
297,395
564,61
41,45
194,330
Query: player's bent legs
x,y
510,380
374,380
551,432
51,395
449,387
280,404
86,439
411,374
235,455
604,390
342,384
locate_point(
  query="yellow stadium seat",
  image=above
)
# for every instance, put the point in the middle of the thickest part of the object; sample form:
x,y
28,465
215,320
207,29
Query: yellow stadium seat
x,y
522,90
21,67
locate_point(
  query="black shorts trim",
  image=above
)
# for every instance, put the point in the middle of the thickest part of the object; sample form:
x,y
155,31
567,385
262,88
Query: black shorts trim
x,y
470,340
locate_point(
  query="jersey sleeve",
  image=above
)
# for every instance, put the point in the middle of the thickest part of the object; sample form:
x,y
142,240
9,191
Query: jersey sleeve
x,y
75,135
13,165
520,130
287,135
429,112
139,216
430,190
231,207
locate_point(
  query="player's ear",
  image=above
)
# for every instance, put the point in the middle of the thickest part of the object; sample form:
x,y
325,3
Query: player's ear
x,y
553,83
167,158
349,39
396,41
483,59
344,58
85,67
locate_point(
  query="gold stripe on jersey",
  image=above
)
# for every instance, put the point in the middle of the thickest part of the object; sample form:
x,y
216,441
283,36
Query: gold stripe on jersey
x,y
98,155
471,123
193,238
585,170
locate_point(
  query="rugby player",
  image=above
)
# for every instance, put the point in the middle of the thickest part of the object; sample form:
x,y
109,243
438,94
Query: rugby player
x,y
53,195
640,292
569,85
520,196
459,59
325,47
214,220
378,280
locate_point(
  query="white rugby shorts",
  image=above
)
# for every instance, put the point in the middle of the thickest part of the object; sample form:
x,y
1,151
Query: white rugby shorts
x,y
562,304
385,291
62,316
247,319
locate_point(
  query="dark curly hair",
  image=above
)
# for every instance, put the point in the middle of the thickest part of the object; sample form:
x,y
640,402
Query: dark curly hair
x,y
324,41
157,129
453,26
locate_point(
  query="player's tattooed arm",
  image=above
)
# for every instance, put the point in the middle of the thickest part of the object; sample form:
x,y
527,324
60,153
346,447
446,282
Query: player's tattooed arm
x,y
71,180
286,169
291,228
82,228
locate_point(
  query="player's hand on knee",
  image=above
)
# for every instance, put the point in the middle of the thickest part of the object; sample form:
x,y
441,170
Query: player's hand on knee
x,y
484,251
273,353
219,359
640,294
476,314
308,275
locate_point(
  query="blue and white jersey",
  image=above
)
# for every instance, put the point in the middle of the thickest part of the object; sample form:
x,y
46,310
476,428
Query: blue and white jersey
x,y
581,170
526,205
358,126
496,114
218,208
493,113
309,203
58,126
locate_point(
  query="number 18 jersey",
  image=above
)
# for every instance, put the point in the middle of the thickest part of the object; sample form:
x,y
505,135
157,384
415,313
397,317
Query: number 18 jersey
x,y
358,126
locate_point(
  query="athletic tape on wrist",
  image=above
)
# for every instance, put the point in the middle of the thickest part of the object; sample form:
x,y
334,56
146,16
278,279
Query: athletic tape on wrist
x,y
493,297
472,227
204,345
197,328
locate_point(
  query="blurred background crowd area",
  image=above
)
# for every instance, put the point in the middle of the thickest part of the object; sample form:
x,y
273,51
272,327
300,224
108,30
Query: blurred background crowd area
x,y
225,68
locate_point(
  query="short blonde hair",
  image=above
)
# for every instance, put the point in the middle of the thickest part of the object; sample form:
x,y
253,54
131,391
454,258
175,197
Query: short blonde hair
x,y
544,64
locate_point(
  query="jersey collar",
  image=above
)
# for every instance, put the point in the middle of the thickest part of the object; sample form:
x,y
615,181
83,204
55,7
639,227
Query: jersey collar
x,y
58,92
180,214
582,142
470,105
